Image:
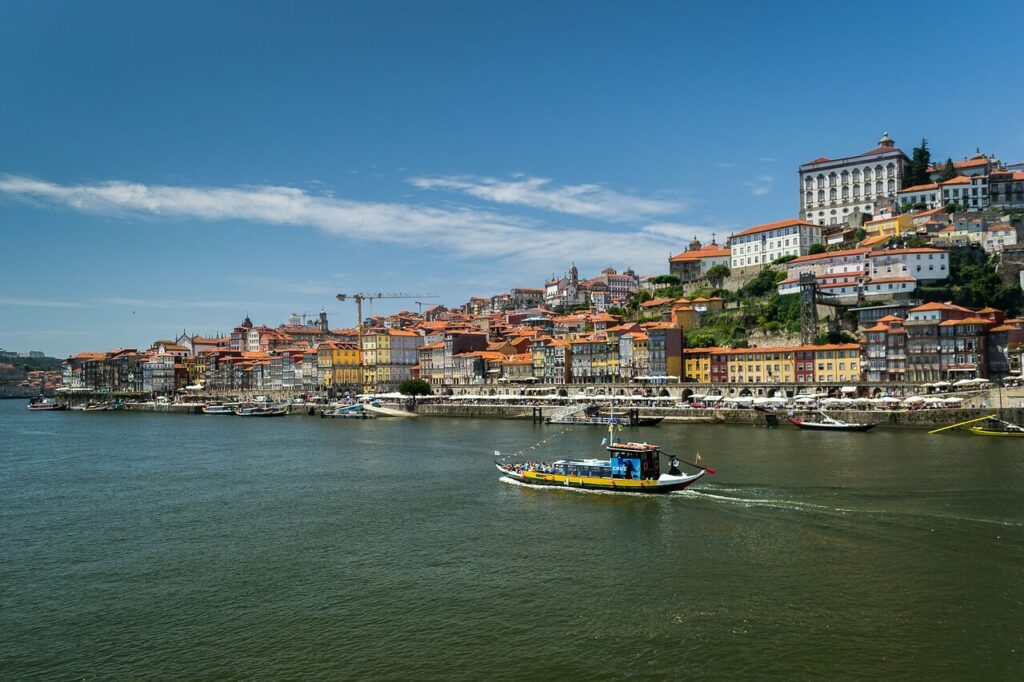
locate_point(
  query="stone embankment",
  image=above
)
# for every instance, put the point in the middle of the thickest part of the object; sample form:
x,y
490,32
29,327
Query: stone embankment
x,y
890,418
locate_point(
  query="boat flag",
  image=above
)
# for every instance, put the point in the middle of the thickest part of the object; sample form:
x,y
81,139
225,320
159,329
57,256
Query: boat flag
x,y
604,441
699,457
497,453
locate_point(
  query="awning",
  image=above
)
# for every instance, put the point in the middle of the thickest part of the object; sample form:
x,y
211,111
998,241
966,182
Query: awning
x,y
848,389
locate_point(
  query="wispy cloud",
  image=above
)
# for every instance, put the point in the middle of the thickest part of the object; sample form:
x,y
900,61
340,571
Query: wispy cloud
x,y
43,303
168,304
588,200
760,185
458,232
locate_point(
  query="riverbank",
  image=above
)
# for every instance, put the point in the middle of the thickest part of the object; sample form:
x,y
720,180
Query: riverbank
x,y
919,419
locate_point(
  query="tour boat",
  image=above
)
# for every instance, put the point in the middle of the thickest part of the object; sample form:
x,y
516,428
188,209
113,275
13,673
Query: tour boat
x,y
630,468
998,427
41,404
219,408
827,423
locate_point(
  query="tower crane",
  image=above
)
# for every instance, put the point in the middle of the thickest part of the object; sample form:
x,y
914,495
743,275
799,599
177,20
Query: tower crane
x,y
359,298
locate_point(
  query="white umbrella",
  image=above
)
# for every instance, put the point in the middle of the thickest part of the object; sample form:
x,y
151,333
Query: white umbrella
x,y
888,400
963,382
914,399
953,400
940,384
848,389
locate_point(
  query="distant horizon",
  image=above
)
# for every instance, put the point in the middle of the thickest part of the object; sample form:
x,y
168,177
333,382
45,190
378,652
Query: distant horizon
x,y
179,166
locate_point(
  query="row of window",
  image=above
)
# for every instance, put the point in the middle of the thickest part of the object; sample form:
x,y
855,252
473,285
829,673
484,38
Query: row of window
x,y
845,177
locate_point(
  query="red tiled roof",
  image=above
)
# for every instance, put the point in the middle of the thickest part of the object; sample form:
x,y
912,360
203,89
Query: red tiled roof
x,y
791,222
920,188
958,180
827,254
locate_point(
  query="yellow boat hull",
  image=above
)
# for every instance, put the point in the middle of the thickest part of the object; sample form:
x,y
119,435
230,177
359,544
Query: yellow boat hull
x,y
978,431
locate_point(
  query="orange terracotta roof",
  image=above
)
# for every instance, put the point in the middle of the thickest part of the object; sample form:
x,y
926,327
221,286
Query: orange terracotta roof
x,y
890,252
966,320
828,254
920,188
791,222
958,180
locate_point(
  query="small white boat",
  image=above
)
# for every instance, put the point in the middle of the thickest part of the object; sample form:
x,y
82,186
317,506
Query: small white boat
x,y
220,408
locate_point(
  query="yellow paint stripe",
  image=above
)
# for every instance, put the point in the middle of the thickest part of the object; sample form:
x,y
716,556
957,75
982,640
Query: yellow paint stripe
x,y
588,480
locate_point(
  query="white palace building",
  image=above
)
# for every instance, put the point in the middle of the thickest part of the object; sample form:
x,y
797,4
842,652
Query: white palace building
x,y
840,191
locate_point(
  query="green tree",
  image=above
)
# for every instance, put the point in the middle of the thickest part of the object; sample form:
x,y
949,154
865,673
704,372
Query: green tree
x,y
670,280
949,171
783,259
700,338
919,164
414,387
816,248
716,274
763,283
860,234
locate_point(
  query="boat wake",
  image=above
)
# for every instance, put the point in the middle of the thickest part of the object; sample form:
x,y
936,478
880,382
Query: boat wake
x,y
809,507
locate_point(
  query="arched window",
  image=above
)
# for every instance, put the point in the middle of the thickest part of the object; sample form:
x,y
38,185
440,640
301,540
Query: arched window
x,y
832,194
856,190
856,175
808,182
890,170
832,180
846,178
892,186
810,197
878,172
846,192
821,181
878,187
821,195
867,175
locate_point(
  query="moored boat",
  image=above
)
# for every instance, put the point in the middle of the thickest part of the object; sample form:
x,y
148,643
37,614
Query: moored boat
x,y
220,408
41,404
827,423
999,428
348,412
261,411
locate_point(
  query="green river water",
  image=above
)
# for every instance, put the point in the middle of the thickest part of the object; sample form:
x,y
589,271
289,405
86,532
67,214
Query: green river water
x,y
157,546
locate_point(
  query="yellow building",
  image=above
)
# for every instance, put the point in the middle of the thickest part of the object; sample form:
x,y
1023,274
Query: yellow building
x,y
697,364
837,363
338,364
889,227
760,365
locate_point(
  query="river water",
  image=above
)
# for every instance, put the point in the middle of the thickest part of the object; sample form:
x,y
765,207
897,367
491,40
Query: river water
x,y
173,546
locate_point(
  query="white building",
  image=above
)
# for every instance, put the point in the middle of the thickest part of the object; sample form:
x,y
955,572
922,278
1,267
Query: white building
x,y
833,190
995,238
970,191
759,245
694,263
929,195
924,264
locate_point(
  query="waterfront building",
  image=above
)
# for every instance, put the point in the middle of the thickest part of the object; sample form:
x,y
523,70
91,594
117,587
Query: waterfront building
x,y
758,246
557,367
997,237
840,191
945,342
338,365
160,372
697,364
664,350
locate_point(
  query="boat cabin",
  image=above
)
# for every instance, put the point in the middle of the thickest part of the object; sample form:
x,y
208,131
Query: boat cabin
x,y
639,461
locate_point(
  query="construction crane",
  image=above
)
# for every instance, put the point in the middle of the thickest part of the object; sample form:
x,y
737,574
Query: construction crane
x,y
359,298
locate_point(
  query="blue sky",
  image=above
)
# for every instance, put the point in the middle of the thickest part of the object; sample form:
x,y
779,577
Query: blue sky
x,y
177,165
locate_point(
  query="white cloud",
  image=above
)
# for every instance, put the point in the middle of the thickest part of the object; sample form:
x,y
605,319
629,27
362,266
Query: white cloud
x,y
760,185
456,232
589,200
